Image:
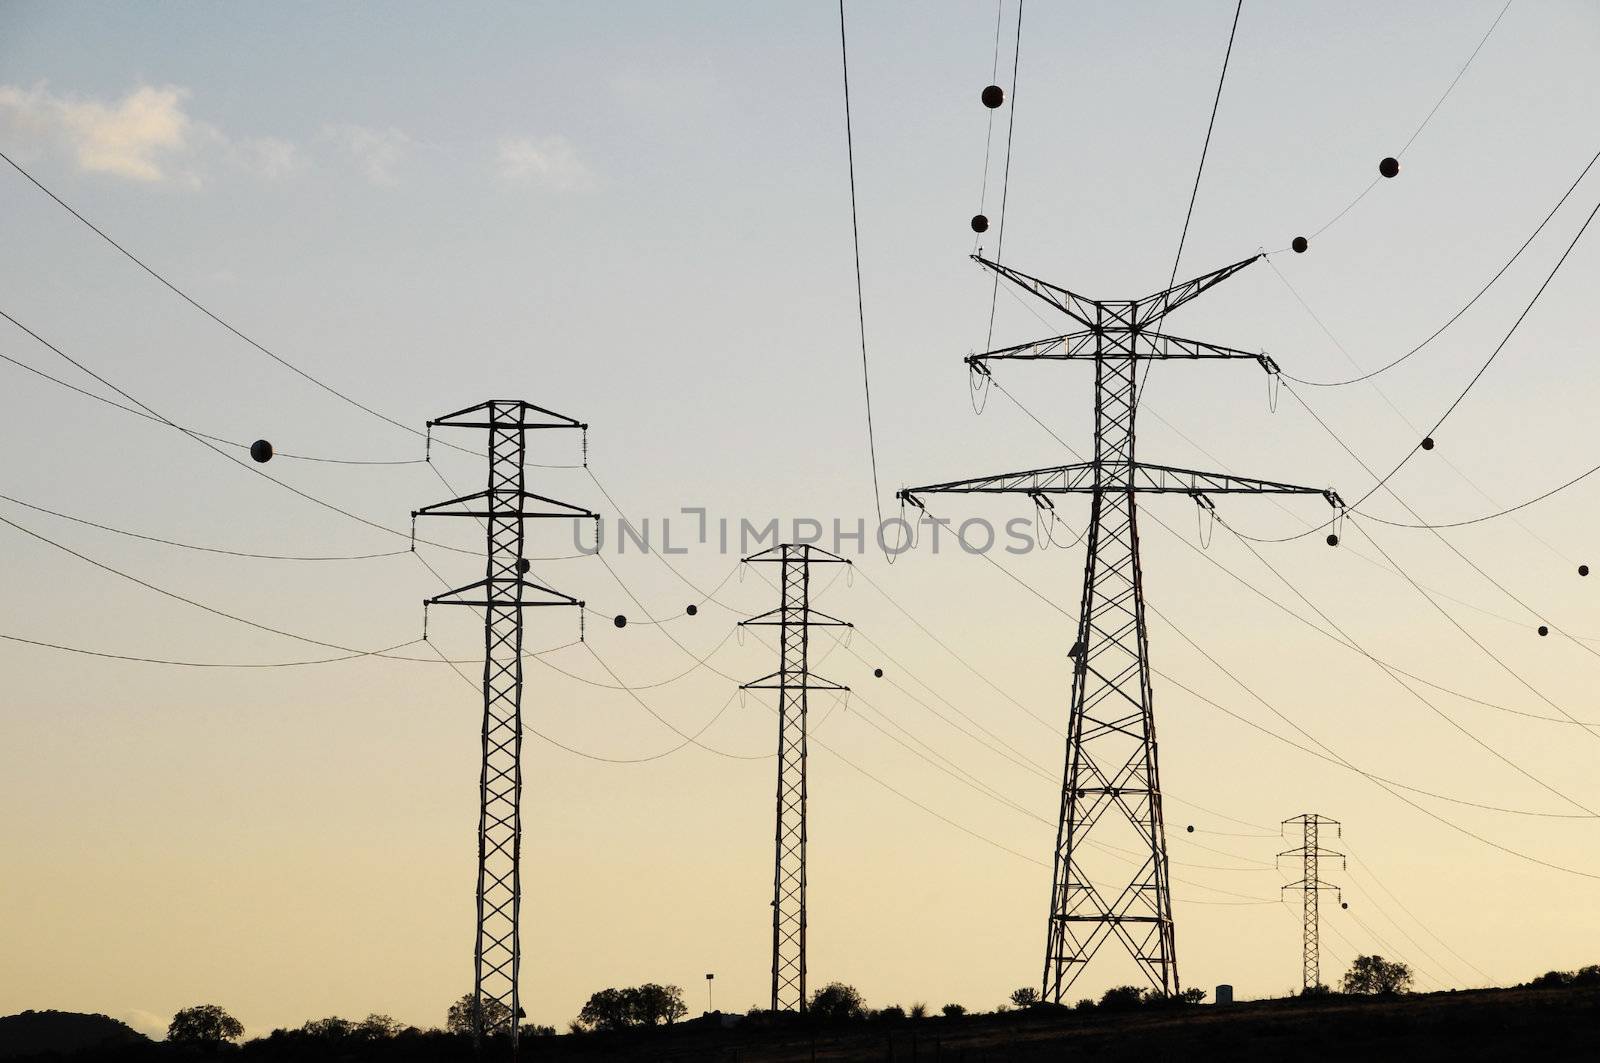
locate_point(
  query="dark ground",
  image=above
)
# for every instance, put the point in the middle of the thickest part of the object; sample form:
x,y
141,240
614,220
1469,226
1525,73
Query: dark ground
x,y
1495,1024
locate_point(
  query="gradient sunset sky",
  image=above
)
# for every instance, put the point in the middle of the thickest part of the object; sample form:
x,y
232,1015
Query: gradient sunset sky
x,y
638,214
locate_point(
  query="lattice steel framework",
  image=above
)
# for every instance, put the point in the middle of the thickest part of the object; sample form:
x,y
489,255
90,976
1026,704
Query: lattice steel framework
x,y
1311,854
794,618
502,595
1111,784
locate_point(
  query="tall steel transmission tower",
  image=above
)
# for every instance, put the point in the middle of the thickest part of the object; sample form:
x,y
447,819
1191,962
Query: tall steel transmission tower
x,y
502,594
1110,787
794,618
1310,886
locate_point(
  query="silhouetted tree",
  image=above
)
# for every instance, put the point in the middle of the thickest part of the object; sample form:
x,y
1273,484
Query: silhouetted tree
x,y
458,1019
1122,998
1589,975
654,1004
919,1010
1025,997
377,1027
893,1013
953,1011
1086,1004
204,1024
332,1029
1374,975
1192,995
837,1002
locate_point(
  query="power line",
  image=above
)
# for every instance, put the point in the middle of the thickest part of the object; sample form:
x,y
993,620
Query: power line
x,y
205,435
1424,123
855,232
1453,318
1383,481
387,652
1005,181
186,297
193,546
209,445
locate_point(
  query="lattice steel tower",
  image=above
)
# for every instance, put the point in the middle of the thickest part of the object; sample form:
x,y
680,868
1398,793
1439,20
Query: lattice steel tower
x,y
502,595
1310,886
1110,786
794,618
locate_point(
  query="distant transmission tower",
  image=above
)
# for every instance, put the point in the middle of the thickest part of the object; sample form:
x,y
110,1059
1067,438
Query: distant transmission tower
x,y
794,618
1110,785
502,594
1310,886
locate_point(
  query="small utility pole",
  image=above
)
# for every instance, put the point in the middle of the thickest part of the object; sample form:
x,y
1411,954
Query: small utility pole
x,y
502,595
1310,885
794,618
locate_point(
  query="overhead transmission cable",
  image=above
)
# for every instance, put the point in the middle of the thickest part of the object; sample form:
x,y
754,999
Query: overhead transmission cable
x,y
1005,180
1425,120
1453,318
186,297
855,233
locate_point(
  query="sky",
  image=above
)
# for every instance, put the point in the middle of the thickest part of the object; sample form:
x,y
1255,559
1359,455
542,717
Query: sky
x,y
639,215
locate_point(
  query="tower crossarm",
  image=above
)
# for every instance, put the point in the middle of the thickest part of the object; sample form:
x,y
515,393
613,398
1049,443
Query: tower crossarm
x,y
808,616
1080,308
1157,306
1080,478
1150,346
491,503
494,415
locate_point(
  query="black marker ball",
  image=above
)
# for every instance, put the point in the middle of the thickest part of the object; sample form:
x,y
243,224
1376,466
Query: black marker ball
x,y
993,96
620,620
692,610
1333,540
523,565
1389,167
1543,631
1300,245
261,450
877,673
980,224
1344,904
1191,828
1583,570
1427,443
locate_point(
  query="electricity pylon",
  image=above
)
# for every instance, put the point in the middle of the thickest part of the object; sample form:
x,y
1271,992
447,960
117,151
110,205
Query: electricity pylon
x,y
502,595
1310,887
1110,784
794,618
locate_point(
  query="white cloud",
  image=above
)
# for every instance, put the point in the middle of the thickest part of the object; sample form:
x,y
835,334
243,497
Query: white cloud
x,y
136,137
376,151
270,157
550,161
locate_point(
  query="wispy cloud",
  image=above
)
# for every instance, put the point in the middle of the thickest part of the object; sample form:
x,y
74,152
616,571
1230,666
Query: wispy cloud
x,y
377,151
140,137
549,161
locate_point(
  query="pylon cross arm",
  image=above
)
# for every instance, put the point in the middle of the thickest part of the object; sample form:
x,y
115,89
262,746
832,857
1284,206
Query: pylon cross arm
x,y
1082,346
1080,478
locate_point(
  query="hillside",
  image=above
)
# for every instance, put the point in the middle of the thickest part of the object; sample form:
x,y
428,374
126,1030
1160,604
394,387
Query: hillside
x,y
36,1032
1491,1024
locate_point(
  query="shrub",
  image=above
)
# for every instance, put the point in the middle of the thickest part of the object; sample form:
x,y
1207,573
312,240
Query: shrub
x,y
837,1002
1122,998
1025,997
1375,975
953,1011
